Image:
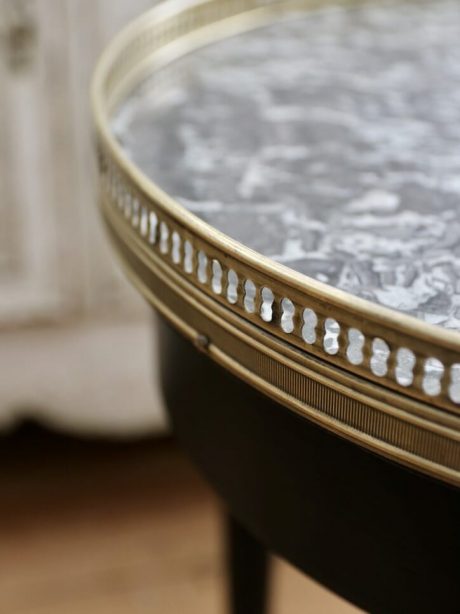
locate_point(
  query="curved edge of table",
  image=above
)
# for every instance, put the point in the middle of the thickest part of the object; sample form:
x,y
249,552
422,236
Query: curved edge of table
x,y
390,424
422,360
401,420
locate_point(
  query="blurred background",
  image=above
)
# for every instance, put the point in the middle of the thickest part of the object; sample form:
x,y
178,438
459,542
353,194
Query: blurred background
x,y
99,510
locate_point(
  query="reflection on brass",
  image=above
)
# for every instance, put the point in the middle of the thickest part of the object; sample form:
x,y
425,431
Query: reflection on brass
x,y
403,423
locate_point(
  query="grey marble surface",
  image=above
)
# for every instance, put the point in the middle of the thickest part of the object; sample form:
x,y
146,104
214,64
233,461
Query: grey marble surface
x,y
330,143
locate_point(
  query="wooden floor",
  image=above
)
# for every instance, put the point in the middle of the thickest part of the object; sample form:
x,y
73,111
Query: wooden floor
x,y
97,528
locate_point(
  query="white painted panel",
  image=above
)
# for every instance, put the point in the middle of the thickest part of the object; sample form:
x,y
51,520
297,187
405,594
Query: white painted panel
x,y
65,308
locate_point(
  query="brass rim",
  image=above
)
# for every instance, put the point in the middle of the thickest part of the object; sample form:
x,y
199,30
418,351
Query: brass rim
x,y
236,279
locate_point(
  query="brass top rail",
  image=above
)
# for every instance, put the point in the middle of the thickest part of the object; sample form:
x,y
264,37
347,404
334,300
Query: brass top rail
x,y
405,369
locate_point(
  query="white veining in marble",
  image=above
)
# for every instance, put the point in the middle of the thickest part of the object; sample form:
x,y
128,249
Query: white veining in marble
x,y
330,143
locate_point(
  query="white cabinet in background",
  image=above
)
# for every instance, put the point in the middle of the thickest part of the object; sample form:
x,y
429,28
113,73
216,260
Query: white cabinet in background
x,y
75,341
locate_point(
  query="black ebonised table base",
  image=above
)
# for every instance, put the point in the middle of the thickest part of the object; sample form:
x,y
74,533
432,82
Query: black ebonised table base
x,y
377,534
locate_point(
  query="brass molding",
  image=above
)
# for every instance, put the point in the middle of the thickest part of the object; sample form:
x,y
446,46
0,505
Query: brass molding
x,y
196,276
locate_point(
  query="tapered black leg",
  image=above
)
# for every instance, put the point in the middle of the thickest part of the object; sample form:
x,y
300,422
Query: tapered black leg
x,y
247,565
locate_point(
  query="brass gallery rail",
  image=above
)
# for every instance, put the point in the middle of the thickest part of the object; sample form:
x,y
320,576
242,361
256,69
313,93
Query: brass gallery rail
x,y
264,322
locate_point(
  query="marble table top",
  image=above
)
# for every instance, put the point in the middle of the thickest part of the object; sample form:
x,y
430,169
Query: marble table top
x,y
330,143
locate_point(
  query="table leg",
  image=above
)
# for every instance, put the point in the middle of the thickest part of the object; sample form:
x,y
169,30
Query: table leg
x,y
247,566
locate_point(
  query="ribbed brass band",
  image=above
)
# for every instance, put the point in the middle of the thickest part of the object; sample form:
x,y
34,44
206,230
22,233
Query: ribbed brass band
x,y
402,422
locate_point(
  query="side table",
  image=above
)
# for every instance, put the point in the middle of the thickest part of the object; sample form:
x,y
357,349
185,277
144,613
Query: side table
x,y
302,253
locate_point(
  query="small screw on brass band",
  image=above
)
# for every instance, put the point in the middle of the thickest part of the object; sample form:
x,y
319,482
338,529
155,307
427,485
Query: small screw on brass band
x,y
202,342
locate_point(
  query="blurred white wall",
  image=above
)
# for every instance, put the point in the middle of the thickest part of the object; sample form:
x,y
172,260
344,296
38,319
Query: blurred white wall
x,y
76,345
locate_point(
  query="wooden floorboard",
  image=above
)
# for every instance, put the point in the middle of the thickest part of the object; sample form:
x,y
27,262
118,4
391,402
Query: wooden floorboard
x,y
96,527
